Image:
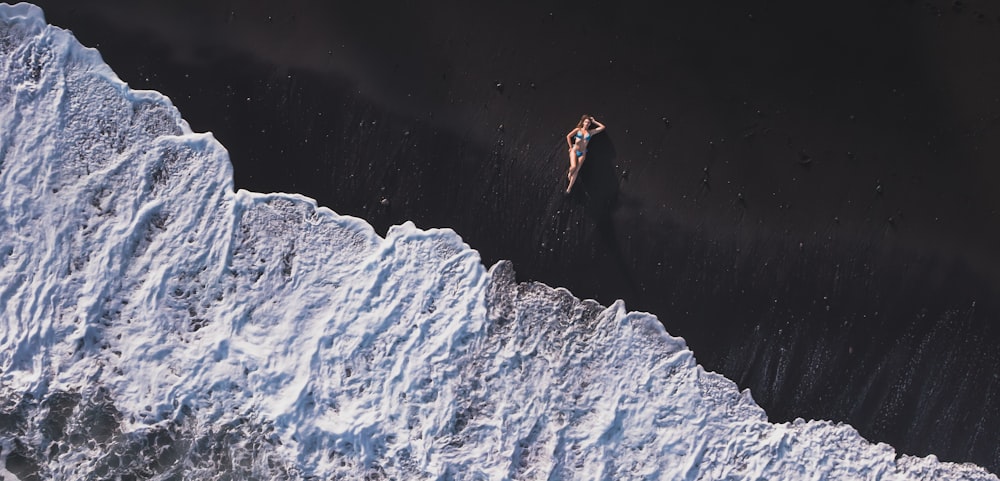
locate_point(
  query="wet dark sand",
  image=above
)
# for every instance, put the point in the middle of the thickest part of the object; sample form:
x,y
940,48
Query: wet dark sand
x,y
805,193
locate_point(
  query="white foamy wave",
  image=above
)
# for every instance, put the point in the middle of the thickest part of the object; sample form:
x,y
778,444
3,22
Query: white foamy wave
x,y
158,325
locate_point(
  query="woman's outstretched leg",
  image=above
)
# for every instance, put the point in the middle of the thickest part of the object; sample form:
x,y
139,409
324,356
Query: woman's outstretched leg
x,y
573,171
572,164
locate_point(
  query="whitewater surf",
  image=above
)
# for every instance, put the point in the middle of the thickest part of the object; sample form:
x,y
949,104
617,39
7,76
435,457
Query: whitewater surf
x,y
157,324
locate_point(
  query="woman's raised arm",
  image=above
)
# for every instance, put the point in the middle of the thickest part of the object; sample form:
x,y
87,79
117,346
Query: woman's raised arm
x,y
600,126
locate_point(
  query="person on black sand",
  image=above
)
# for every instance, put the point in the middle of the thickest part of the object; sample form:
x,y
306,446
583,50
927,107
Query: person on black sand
x,y
577,139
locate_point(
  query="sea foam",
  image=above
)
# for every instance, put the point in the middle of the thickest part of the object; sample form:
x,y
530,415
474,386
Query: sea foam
x,y
158,325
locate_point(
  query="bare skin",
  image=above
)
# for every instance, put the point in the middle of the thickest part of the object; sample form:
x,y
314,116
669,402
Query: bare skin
x,y
578,146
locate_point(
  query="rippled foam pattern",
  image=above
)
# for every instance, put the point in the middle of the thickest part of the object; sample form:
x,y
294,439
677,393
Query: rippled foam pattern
x,y
158,325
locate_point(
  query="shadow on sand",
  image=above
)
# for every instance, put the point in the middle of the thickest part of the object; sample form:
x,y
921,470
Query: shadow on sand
x,y
584,218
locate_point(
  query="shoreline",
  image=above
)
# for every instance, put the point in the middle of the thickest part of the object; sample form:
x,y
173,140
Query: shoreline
x,y
793,175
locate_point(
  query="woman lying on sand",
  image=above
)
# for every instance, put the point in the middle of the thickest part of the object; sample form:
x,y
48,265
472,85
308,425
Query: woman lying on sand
x,y
577,139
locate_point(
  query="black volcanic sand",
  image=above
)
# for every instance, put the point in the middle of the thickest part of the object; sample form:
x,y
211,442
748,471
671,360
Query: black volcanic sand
x,y
803,191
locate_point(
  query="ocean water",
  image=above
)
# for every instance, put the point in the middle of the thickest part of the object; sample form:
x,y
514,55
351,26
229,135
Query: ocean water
x,y
157,324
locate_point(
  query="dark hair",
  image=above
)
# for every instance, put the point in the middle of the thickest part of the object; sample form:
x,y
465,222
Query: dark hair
x,y
579,124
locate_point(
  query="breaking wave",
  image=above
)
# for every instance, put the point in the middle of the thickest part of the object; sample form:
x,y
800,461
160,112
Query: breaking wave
x,y
158,325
